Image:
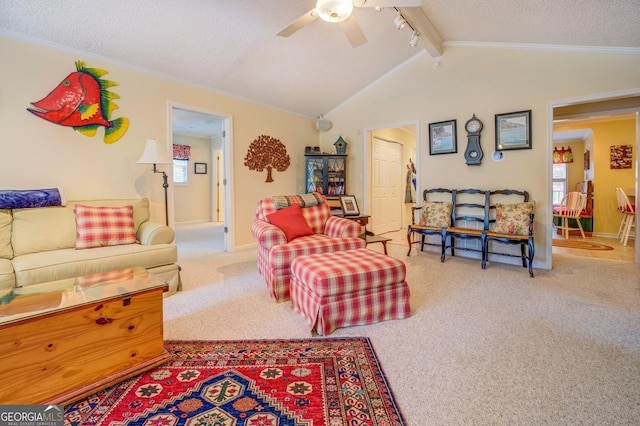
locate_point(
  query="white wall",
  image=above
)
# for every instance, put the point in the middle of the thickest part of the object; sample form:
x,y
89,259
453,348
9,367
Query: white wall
x,y
38,154
192,201
485,82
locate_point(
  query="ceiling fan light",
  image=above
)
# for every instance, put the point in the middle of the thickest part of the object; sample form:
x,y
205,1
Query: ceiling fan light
x,y
399,22
413,42
334,10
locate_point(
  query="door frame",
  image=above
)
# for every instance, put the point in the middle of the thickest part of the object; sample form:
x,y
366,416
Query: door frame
x,y
367,155
227,145
580,100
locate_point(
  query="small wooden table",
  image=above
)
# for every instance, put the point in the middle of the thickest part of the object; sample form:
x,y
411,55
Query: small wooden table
x,y
369,237
64,340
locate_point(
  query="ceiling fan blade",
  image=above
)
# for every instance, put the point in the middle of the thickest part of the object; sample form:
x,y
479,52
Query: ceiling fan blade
x,y
305,19
353,32
387,3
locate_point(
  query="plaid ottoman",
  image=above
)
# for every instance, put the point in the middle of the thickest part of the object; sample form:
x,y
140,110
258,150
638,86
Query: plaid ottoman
x,y
346,288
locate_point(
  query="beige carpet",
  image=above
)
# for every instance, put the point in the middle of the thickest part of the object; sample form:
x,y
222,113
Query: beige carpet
x,y
482,346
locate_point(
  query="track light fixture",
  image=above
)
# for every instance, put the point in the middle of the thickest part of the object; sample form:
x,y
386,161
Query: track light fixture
x,y
399,21
413,42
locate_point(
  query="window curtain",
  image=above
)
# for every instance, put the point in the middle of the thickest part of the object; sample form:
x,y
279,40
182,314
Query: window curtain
x,y
181,152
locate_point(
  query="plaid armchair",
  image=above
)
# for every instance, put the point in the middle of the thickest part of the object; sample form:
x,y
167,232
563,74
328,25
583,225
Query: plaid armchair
x,y
275,253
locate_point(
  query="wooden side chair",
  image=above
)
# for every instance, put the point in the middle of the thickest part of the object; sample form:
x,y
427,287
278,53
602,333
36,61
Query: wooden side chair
x,y
628,211
570,209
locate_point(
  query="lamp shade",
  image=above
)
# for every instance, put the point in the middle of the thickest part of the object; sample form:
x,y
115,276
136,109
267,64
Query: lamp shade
x,y
334,10
155,152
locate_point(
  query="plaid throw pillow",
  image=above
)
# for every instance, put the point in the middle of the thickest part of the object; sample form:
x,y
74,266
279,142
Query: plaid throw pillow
x,y
304,200
104,226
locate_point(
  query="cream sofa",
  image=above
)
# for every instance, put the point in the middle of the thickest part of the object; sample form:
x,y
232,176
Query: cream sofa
x,y
37,245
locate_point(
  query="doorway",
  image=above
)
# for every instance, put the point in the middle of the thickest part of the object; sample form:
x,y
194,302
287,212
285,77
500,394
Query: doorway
x,y
387,150
204,199
589,120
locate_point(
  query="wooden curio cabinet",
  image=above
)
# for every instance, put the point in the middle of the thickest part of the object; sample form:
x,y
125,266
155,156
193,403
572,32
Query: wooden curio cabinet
x,y
326,174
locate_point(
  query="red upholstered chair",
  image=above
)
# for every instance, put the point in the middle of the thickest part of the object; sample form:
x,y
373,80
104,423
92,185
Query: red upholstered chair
x,y
275,251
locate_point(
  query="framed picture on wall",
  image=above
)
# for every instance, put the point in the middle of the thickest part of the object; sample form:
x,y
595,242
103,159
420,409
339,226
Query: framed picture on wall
x,y
200,168
513,130
443,138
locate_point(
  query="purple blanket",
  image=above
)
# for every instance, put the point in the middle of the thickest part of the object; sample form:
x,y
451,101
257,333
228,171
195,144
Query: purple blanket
x,y
29,198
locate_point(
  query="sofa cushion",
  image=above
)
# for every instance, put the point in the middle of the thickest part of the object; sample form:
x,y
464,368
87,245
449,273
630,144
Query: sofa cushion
x,y
104,226
61,264
7,277
291,222
54,228
6,252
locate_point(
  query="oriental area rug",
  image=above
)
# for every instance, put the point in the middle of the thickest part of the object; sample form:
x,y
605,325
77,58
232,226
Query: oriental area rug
x,y
322,381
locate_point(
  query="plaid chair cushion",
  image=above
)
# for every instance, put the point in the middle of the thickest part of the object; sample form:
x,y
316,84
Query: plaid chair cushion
x,y
104,226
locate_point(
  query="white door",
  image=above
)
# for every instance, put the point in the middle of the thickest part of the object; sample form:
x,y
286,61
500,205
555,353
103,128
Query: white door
x,y
386,188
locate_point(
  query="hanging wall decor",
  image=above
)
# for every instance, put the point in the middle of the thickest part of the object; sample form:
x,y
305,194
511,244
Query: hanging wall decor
x,y
83,102
587,160
267,153
620,156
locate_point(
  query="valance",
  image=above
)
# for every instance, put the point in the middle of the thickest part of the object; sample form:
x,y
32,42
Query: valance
x,y
181,152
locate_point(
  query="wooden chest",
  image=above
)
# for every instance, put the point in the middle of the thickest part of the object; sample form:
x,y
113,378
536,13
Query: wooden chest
x,y
61,355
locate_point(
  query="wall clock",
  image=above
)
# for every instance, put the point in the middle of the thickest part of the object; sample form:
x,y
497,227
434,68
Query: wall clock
x,y
473,154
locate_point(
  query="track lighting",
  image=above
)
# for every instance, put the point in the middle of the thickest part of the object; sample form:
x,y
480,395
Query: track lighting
x,y
413,42
399,22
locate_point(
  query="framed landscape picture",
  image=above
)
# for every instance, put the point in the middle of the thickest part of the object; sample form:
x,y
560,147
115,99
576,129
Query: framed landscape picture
x,y
513,130
443,138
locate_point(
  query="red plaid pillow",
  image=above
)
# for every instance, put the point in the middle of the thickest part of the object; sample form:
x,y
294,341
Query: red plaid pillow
x,y
104,226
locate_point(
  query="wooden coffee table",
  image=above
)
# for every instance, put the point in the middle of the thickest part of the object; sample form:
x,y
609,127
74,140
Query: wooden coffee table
x,y
64,340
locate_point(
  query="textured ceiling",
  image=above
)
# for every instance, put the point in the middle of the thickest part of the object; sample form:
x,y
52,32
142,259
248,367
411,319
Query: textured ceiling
x,y
230,46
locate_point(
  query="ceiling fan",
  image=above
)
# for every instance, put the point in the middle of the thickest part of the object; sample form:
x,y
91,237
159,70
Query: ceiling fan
x,y
339,11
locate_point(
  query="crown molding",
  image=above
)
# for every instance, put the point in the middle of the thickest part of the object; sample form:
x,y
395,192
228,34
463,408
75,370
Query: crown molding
x,y
547,47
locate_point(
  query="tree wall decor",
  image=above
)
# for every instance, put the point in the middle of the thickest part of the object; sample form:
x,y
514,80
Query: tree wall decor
x,y
267,153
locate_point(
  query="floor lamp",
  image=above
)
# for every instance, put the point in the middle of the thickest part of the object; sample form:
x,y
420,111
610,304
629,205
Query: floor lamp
x,y
154,153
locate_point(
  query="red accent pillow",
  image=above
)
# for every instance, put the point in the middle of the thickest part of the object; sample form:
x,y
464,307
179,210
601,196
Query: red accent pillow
x,y
291,222
104,226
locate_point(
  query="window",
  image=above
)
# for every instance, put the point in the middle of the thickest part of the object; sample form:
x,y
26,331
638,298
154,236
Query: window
x,y
180,171
559,185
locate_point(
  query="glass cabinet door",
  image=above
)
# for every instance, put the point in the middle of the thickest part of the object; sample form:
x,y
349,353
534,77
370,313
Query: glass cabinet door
x,y
326,174
336,176
315,175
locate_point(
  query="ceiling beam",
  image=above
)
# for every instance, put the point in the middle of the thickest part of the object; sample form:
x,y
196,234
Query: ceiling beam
x,y
429,37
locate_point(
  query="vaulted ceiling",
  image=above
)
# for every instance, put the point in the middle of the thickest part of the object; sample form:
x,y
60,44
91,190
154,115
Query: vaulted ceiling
x,y
231,46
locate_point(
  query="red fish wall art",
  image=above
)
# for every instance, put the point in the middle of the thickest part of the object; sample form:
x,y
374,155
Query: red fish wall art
x,y
83,102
